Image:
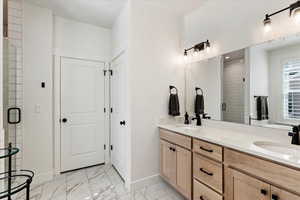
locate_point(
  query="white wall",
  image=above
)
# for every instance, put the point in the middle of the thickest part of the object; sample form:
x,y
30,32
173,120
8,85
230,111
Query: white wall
x,y
45,35
206,75
120,32
232,25
38,141
155,63
79,40
259,76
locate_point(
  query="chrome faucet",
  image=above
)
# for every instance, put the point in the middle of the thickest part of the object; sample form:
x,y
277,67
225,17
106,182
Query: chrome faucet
x,y
295,135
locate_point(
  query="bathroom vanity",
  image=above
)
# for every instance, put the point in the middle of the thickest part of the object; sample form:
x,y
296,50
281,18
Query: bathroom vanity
x,y
232,163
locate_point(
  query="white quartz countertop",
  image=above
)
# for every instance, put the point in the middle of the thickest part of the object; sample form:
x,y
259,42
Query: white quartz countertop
x,y
241,138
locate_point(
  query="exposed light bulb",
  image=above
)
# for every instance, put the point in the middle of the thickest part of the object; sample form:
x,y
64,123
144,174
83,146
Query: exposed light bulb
x,y
267,28
185,58
208,49
196,52
267,23
296,15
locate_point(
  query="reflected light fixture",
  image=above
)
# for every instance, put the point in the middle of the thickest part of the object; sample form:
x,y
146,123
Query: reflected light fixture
x,y
294,12
198,48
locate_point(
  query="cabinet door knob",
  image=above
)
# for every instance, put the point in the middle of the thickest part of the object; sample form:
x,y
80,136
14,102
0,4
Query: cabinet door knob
x,y
263,191
275,197
64,120
202,198
123,122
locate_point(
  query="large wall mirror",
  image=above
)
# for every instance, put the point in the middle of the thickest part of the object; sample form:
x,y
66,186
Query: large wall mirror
x,y
258,85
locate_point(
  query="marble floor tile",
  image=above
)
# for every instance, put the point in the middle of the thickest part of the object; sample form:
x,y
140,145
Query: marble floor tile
x,y
98,183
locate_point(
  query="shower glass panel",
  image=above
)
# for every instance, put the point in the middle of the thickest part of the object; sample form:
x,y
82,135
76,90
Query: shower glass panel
x,y
12,114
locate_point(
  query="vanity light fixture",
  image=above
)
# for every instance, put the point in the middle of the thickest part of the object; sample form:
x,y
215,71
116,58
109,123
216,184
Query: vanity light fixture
x,y
294,11
197,48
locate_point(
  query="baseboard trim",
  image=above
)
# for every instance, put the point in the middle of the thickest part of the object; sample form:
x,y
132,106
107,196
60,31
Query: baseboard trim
x,y
42,178
139,184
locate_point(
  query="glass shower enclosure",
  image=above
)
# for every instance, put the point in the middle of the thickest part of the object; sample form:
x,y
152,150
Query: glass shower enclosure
x,y
11,112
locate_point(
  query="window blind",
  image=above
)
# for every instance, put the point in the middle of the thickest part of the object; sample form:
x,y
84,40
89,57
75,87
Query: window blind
x,y
291,89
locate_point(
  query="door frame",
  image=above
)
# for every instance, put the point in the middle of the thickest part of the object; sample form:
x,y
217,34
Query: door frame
x,y
57,111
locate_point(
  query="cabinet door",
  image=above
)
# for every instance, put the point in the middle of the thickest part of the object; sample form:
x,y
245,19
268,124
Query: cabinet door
x,y
184,171
168,161
242,187
279,194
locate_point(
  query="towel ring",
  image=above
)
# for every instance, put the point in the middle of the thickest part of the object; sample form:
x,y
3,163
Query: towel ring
x,y
197,89
173,87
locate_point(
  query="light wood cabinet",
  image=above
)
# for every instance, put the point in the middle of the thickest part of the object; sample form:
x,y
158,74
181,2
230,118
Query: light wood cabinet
x,y
209,171
243,187
184,172
209,150
168,161
176,162
202,192
279,194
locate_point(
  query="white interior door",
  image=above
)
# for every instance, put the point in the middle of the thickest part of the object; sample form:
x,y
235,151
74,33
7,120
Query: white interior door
x,y
82,113
118,104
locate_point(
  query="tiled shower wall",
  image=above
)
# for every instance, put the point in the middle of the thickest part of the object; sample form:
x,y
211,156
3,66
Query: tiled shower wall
x,y
15,37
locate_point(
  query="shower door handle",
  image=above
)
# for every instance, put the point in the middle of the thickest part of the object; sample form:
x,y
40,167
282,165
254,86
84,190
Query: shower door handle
x,y
9,112
224,107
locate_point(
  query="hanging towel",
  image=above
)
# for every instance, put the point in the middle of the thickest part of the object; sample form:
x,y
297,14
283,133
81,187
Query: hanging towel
x,y
199,104
174,105
262,108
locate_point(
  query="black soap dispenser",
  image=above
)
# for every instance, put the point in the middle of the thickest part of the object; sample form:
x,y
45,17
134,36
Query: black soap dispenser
x,y
186,118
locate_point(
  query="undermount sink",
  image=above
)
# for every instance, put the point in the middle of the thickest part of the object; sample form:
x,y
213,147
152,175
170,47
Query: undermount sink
x,y
288,152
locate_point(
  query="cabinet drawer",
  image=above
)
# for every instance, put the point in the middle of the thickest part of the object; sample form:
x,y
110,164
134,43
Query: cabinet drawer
x,y
175,138
207,149
208,172
281,194
279,175
204,193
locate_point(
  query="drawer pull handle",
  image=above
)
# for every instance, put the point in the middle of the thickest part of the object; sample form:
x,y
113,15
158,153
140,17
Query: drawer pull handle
x,y
207,150
206,172
202,198
263,191
275,197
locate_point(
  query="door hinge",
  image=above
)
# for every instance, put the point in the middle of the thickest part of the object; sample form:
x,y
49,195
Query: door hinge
x,y
104,110
104,72
111,72
111,147
105,147
111,110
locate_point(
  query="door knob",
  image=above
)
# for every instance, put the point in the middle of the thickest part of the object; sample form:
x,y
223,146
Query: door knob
x,y
64,120
123,123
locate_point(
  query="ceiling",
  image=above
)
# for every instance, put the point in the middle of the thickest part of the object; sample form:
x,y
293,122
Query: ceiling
x,y
97,12
104,12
